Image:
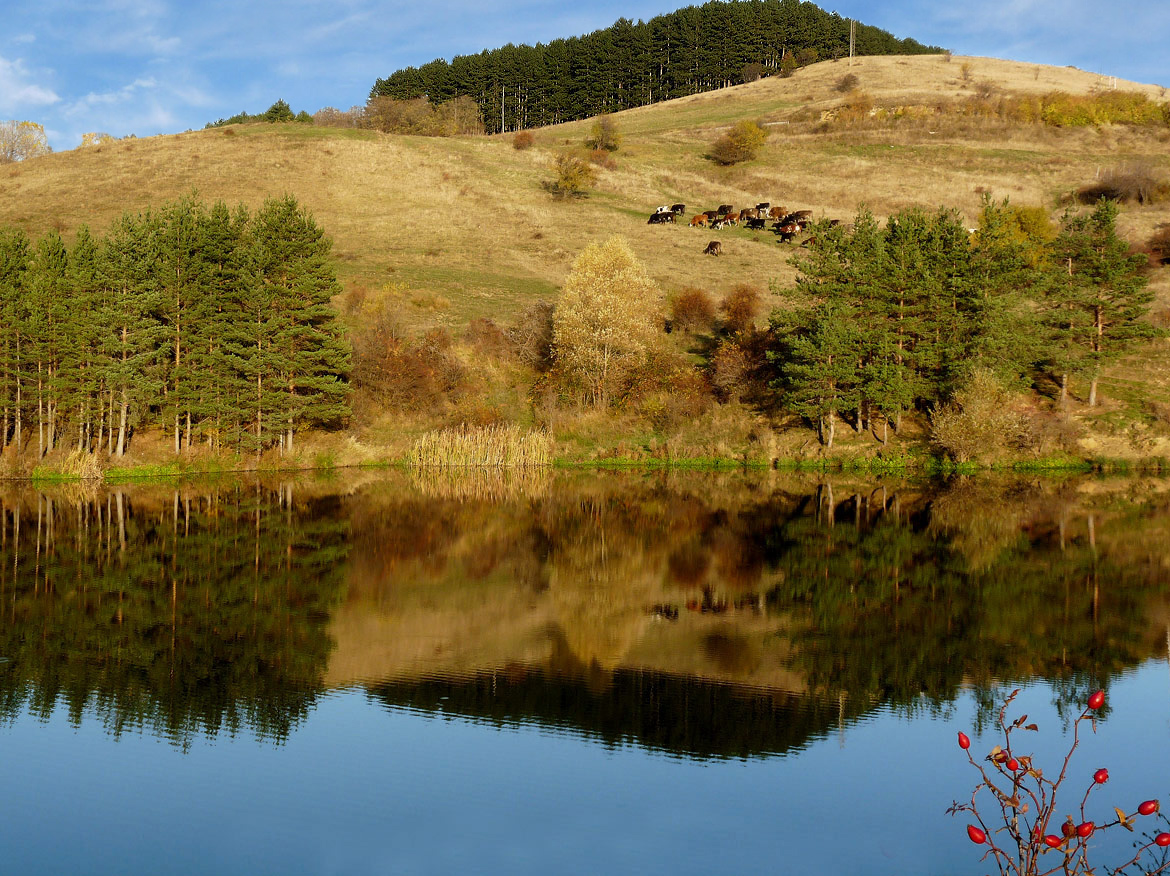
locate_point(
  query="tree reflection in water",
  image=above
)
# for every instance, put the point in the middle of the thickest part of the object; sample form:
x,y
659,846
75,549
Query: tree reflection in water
x,y
705,615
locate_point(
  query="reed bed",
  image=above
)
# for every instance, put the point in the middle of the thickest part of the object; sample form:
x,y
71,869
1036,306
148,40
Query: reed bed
x,y
504,446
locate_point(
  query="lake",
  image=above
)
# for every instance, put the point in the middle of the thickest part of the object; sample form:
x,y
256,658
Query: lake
x,y
566,672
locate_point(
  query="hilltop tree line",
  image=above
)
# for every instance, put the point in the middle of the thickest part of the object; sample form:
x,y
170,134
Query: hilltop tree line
x,y
211,324
695,49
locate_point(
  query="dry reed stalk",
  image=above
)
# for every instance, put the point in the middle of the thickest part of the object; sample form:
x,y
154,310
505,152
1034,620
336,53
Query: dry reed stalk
x,y
506,446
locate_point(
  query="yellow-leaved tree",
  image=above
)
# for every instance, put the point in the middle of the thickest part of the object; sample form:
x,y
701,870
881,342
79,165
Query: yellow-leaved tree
x,y
606,321
21,140
97,138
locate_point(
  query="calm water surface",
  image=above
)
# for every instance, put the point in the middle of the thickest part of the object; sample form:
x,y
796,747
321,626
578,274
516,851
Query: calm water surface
x,y
571,674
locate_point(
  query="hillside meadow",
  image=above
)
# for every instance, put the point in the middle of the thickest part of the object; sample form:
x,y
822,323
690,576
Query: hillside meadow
x,y
443,231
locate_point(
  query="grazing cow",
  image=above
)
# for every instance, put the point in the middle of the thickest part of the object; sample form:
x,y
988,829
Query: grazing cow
x,y
699,220
763,206
732,218
663,209
725,208
718,224
714,248
786,231
777,213
678,209
660,218
749,213
756,222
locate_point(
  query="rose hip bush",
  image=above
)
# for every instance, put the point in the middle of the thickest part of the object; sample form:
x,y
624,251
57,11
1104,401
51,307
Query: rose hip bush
x,y
1017,818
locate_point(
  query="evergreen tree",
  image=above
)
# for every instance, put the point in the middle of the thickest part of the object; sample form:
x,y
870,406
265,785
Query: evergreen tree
x,y
629,64
290,346
48,316
132,351
1097,298
817,364
14,258
81,386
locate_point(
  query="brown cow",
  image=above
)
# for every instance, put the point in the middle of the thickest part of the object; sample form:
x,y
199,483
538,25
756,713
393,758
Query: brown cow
x,y
714,248
777,212
699,220
787,231
732,218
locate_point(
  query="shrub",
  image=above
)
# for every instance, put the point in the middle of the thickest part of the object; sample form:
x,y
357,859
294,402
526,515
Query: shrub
x,y
531,336
604,135
752,72
788,65
740,307
978,422
523,140
404,373
1135,182
807,56
738,368
730,369
741,143
420,117
846,83
603,159
692,309
487,337
572,176
1158,245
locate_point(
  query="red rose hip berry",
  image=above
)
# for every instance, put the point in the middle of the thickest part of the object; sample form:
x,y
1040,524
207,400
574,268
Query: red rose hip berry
x,y
1162,839
1053,841
1012,764
976,835
1149,807
964,741
1085,829
1097,700
1101,776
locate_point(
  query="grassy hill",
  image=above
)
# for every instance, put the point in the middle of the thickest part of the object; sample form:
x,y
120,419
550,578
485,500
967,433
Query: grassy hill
x,y
463,227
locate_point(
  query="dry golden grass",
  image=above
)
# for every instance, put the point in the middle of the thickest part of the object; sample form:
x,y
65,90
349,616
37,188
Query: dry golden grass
x,y
466,228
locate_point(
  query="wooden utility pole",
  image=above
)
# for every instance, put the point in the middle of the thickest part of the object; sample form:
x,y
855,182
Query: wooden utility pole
x,y
852,34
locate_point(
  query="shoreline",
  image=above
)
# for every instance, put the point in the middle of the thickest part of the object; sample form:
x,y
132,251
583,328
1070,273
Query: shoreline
x,y
918,466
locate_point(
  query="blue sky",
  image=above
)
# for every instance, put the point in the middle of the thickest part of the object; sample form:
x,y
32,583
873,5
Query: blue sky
x,y
160,66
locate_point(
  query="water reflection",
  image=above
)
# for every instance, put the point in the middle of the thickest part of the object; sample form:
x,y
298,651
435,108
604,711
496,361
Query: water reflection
x,y
183,613
705,616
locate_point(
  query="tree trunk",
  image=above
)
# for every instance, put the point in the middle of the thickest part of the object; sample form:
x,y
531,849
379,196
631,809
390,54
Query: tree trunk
x,y
122,423
1064,389
1093,391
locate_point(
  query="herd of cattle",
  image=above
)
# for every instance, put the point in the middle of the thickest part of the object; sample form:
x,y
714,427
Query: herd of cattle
x,y
786,225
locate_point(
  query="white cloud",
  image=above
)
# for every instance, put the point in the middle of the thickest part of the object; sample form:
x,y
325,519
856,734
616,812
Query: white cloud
x,y
18,92
125,94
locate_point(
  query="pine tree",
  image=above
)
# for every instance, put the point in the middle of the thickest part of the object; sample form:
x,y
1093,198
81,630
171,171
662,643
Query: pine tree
x,y
81,385
47,313
301,362
1098,296
133,350
817,364
14,259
